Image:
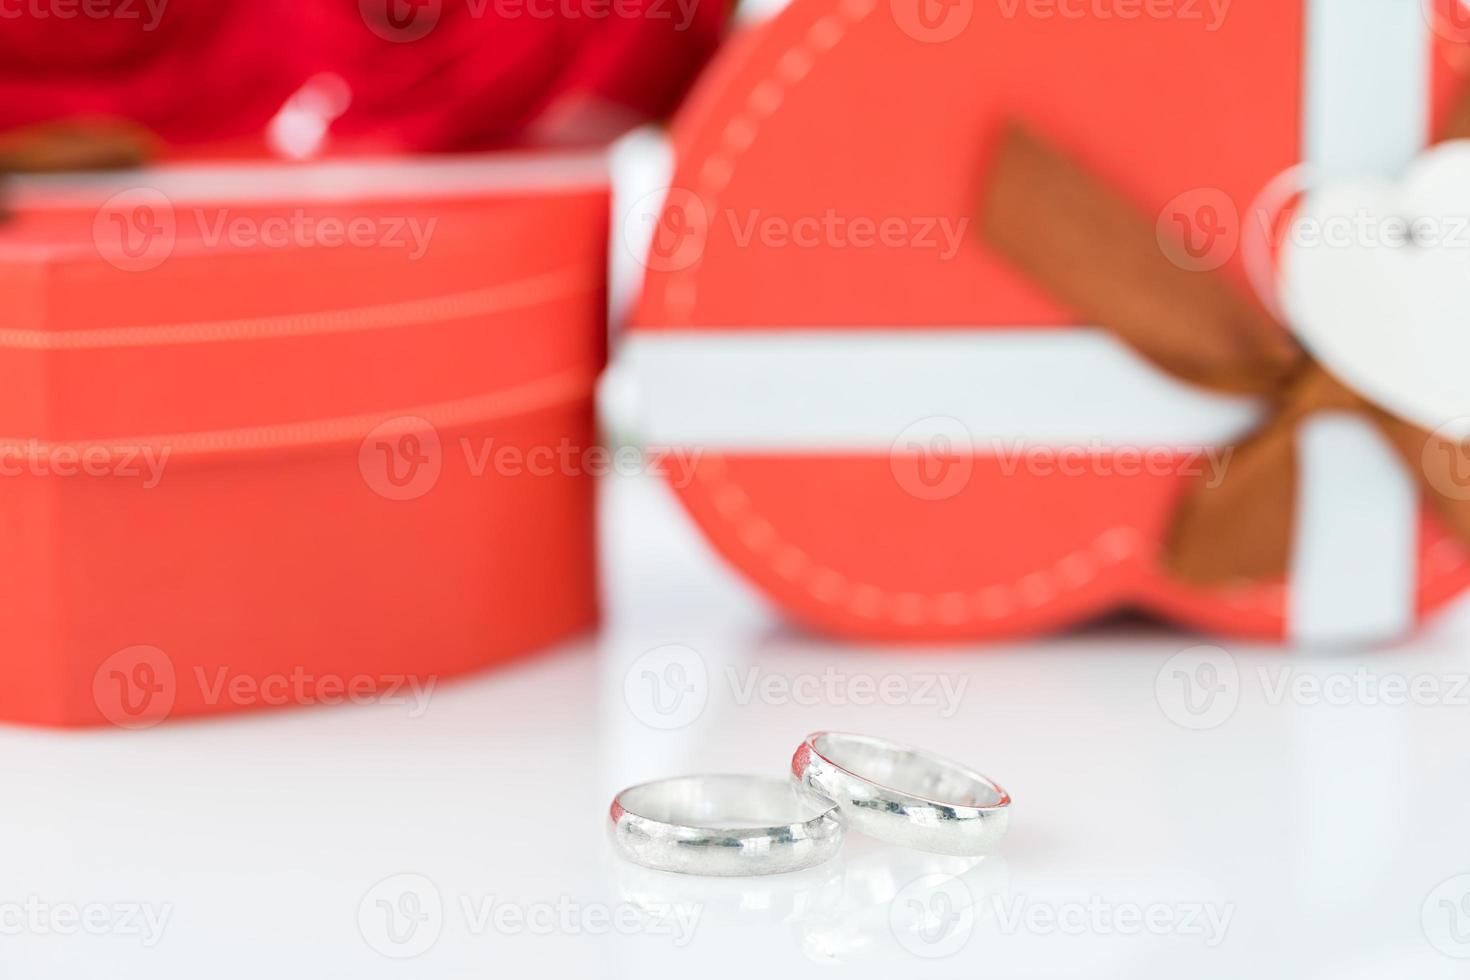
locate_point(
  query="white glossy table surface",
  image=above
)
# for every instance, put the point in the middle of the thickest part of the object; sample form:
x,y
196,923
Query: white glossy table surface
x,y
1315,830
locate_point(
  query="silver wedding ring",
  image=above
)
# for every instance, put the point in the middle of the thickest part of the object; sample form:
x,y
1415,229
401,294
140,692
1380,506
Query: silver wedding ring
x,y
725,825
903,795
760,825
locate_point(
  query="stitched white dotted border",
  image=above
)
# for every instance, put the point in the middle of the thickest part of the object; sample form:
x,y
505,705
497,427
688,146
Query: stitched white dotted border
x,y
990,603
681,288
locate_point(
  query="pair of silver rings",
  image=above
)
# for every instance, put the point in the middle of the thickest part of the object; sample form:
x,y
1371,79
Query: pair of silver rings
x,y
756,825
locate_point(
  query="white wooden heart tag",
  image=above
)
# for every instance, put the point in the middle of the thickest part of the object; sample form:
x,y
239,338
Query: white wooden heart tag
x,y
1375,280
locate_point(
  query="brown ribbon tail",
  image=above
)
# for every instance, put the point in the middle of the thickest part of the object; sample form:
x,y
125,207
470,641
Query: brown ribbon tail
x,y
1456,125
101,144
1092,251
1442,467
1239,529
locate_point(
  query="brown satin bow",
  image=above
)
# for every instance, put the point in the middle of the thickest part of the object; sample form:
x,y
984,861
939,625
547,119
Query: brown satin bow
x,y
1093,251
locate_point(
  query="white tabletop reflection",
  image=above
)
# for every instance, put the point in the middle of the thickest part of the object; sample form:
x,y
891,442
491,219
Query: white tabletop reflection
x,y
1236,810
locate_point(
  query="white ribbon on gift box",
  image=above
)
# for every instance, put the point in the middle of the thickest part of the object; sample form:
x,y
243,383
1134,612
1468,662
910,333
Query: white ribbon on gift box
x,y
1355,554
1353,575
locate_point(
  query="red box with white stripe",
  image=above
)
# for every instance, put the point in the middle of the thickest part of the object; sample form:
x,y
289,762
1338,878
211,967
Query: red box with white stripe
x,y
285,434
905,438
